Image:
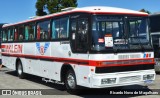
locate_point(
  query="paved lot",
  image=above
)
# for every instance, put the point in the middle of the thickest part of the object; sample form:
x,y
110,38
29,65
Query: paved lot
x,y
9,80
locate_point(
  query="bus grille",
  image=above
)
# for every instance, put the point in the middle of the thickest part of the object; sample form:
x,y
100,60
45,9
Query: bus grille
x,y
123,68
129,79
129,62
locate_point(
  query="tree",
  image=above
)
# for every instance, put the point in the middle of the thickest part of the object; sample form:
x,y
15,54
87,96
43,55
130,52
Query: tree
x,y
69,3
52,6
146,11
40,6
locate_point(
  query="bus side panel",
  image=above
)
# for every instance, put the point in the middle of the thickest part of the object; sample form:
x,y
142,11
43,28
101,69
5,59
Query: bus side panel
x,y
29,63
30,49
39,66
47,69
46,66
9,62
57,74
58,50
83,75
63,50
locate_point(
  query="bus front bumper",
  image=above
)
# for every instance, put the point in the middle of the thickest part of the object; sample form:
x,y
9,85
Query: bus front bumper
x,y
122,79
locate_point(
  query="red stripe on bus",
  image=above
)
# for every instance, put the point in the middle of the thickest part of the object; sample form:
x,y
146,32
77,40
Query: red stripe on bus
x,y
2,46
96,63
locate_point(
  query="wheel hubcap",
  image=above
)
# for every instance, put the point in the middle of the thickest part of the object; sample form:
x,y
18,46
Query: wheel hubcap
x,y
71,81
19,69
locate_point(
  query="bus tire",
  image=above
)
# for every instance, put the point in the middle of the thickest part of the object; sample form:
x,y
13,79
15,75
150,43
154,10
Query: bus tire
x,y
20,72
70,82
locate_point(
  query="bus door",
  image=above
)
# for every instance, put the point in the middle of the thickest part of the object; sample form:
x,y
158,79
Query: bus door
x,y
79,33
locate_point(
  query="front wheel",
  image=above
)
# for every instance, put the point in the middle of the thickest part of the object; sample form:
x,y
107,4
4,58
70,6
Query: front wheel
x,y
20,72
70,82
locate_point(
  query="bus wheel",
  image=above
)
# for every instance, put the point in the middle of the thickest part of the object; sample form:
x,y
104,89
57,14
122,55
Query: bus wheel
x,y
20,70
70,82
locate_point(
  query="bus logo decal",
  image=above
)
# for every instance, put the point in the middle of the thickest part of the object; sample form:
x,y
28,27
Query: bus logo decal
x,y
42,48
147,55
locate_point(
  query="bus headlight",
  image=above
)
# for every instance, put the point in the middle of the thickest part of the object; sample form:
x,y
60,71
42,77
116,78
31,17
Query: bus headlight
x,y
148,77
108,81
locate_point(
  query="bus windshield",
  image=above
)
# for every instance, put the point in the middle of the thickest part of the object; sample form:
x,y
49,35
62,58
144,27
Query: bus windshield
x,y
138,30
119,32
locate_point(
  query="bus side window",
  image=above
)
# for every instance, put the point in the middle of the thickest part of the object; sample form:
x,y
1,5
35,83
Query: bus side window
x,y
26,32
30,32
43,30
60,28
64,23
10,34
20,33
55,29
38,32
15,34
4,35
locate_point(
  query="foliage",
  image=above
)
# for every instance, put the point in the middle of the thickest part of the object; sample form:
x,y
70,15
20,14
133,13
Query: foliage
x,y
52,6
40,5
146,11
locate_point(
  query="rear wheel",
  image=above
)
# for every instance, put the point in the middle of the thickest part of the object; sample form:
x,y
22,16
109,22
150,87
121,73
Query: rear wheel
x,y
20,72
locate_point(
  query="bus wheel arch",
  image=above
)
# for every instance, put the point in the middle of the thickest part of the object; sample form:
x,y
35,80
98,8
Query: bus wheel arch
x,y
67,72
19,68
64,69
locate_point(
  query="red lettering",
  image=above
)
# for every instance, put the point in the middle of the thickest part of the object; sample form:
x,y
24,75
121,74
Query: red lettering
x,y
13,49
20,48
8,48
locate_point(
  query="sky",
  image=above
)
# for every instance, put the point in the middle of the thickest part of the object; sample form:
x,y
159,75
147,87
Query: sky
x,y
12,11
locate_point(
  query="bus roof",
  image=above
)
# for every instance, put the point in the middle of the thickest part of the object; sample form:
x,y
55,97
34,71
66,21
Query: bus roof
x,y
92,10
1,25
155,14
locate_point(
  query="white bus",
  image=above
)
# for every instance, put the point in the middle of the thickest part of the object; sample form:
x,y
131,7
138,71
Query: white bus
x,y
1,24
155,35
94,47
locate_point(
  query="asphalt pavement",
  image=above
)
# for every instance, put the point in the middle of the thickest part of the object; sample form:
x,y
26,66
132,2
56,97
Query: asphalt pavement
x,y
34,85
